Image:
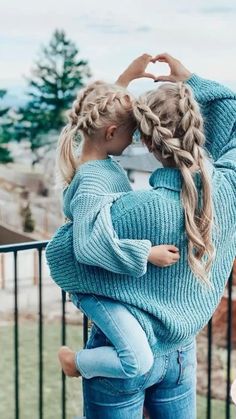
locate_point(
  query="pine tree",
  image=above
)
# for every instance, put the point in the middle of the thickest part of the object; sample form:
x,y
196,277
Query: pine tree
x,y
56,78
5,135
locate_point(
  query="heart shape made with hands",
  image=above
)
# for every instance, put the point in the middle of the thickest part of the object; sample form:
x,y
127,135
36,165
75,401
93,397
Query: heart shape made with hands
x,y
162,67
177,72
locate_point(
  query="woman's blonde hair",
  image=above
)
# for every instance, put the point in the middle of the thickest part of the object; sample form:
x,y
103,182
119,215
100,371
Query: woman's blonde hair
x,y
171,126
96,106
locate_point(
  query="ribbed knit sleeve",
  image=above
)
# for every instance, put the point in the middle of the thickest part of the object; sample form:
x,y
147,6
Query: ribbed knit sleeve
x,y
95,241
218,106
227,163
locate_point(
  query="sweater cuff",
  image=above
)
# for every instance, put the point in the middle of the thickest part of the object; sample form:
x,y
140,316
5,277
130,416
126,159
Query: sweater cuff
x,y
146,247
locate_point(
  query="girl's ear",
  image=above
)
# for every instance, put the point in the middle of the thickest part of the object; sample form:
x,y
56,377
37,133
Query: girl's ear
x,y
110,132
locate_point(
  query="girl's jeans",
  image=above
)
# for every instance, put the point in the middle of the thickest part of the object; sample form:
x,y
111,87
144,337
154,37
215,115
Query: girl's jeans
x,y
130,354
168,390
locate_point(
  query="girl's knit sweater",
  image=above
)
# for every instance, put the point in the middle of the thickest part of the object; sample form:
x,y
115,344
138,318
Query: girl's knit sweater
x,y
170,303
87,202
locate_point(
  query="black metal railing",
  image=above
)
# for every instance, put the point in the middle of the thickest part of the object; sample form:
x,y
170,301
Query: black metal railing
x,y
40,246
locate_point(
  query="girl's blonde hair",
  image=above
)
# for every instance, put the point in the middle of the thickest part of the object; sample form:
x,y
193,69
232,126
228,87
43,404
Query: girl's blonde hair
x,y
96,106
172,126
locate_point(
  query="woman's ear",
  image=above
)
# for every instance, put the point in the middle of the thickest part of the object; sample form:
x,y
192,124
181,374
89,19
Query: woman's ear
x,y
110,132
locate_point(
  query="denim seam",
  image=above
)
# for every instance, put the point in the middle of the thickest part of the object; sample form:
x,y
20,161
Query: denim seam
x,y
166,363
177,397
116,391
181,368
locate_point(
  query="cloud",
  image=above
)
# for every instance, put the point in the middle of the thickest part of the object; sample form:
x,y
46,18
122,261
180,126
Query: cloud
x,y
197,33
144,28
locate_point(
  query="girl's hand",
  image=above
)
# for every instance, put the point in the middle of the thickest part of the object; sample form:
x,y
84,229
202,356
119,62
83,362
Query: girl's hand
x,y
177,71
163,255
136,70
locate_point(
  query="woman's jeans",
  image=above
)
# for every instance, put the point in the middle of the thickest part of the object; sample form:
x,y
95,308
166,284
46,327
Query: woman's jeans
x,y
126,352
168,390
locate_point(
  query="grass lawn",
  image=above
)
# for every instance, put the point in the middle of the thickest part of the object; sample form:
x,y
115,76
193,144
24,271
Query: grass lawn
x,y
28,371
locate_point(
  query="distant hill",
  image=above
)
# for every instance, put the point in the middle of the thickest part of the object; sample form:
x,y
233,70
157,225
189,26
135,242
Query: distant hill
x,y
16,95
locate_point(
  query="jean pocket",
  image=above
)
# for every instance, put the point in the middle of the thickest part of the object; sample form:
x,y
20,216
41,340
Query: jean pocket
x,y
123,386
187,363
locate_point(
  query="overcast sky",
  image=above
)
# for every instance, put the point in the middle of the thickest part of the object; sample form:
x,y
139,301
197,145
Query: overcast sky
x,y
111,33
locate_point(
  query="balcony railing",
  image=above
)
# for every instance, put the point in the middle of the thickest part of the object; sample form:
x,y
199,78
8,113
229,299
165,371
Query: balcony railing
x,y
39,248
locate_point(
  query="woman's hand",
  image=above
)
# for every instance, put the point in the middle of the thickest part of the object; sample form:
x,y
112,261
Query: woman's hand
x,y
177,71
136,70
163,255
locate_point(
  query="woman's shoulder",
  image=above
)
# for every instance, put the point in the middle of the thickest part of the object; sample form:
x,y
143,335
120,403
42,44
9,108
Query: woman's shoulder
x,y
133,201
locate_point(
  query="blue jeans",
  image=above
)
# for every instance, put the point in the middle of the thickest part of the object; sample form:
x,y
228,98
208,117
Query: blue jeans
x,y
126,352
168,390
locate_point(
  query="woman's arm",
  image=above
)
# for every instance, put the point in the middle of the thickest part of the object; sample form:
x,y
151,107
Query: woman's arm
x,y
136,70
217,102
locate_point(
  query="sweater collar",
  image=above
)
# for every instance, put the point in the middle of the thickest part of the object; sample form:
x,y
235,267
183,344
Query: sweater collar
x,y
170,178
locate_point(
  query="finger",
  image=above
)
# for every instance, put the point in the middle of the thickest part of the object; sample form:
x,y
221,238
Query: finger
x,y
149,76
172,248
146,55
167,58
175,257
164,78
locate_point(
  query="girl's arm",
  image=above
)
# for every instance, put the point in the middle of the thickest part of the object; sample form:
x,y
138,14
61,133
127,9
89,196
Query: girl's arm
x,y
96,243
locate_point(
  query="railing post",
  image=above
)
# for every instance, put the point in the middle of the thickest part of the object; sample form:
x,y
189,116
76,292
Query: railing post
x,y
63,342
2,271
209,369
16,339
40,335
229,344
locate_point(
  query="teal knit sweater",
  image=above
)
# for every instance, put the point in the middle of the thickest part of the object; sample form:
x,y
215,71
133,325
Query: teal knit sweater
x,y
171,304
87,202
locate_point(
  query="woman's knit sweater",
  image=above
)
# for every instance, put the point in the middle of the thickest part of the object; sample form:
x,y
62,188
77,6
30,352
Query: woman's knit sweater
x,y
170,303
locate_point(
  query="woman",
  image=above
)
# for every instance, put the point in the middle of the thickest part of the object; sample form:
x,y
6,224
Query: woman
x,y
174,306
169,389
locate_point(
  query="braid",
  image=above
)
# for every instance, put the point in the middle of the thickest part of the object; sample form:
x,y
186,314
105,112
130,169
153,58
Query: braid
x,y
171,125
66,162
95,106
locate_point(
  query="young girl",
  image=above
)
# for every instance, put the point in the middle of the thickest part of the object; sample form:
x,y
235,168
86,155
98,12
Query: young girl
x,y
103,116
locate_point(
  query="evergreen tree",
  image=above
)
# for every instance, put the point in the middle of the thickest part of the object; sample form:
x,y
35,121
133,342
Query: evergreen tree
x,y
56,78
5,134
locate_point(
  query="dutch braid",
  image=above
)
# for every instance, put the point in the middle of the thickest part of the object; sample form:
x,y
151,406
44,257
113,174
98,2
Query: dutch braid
x,y
172,127
95,106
